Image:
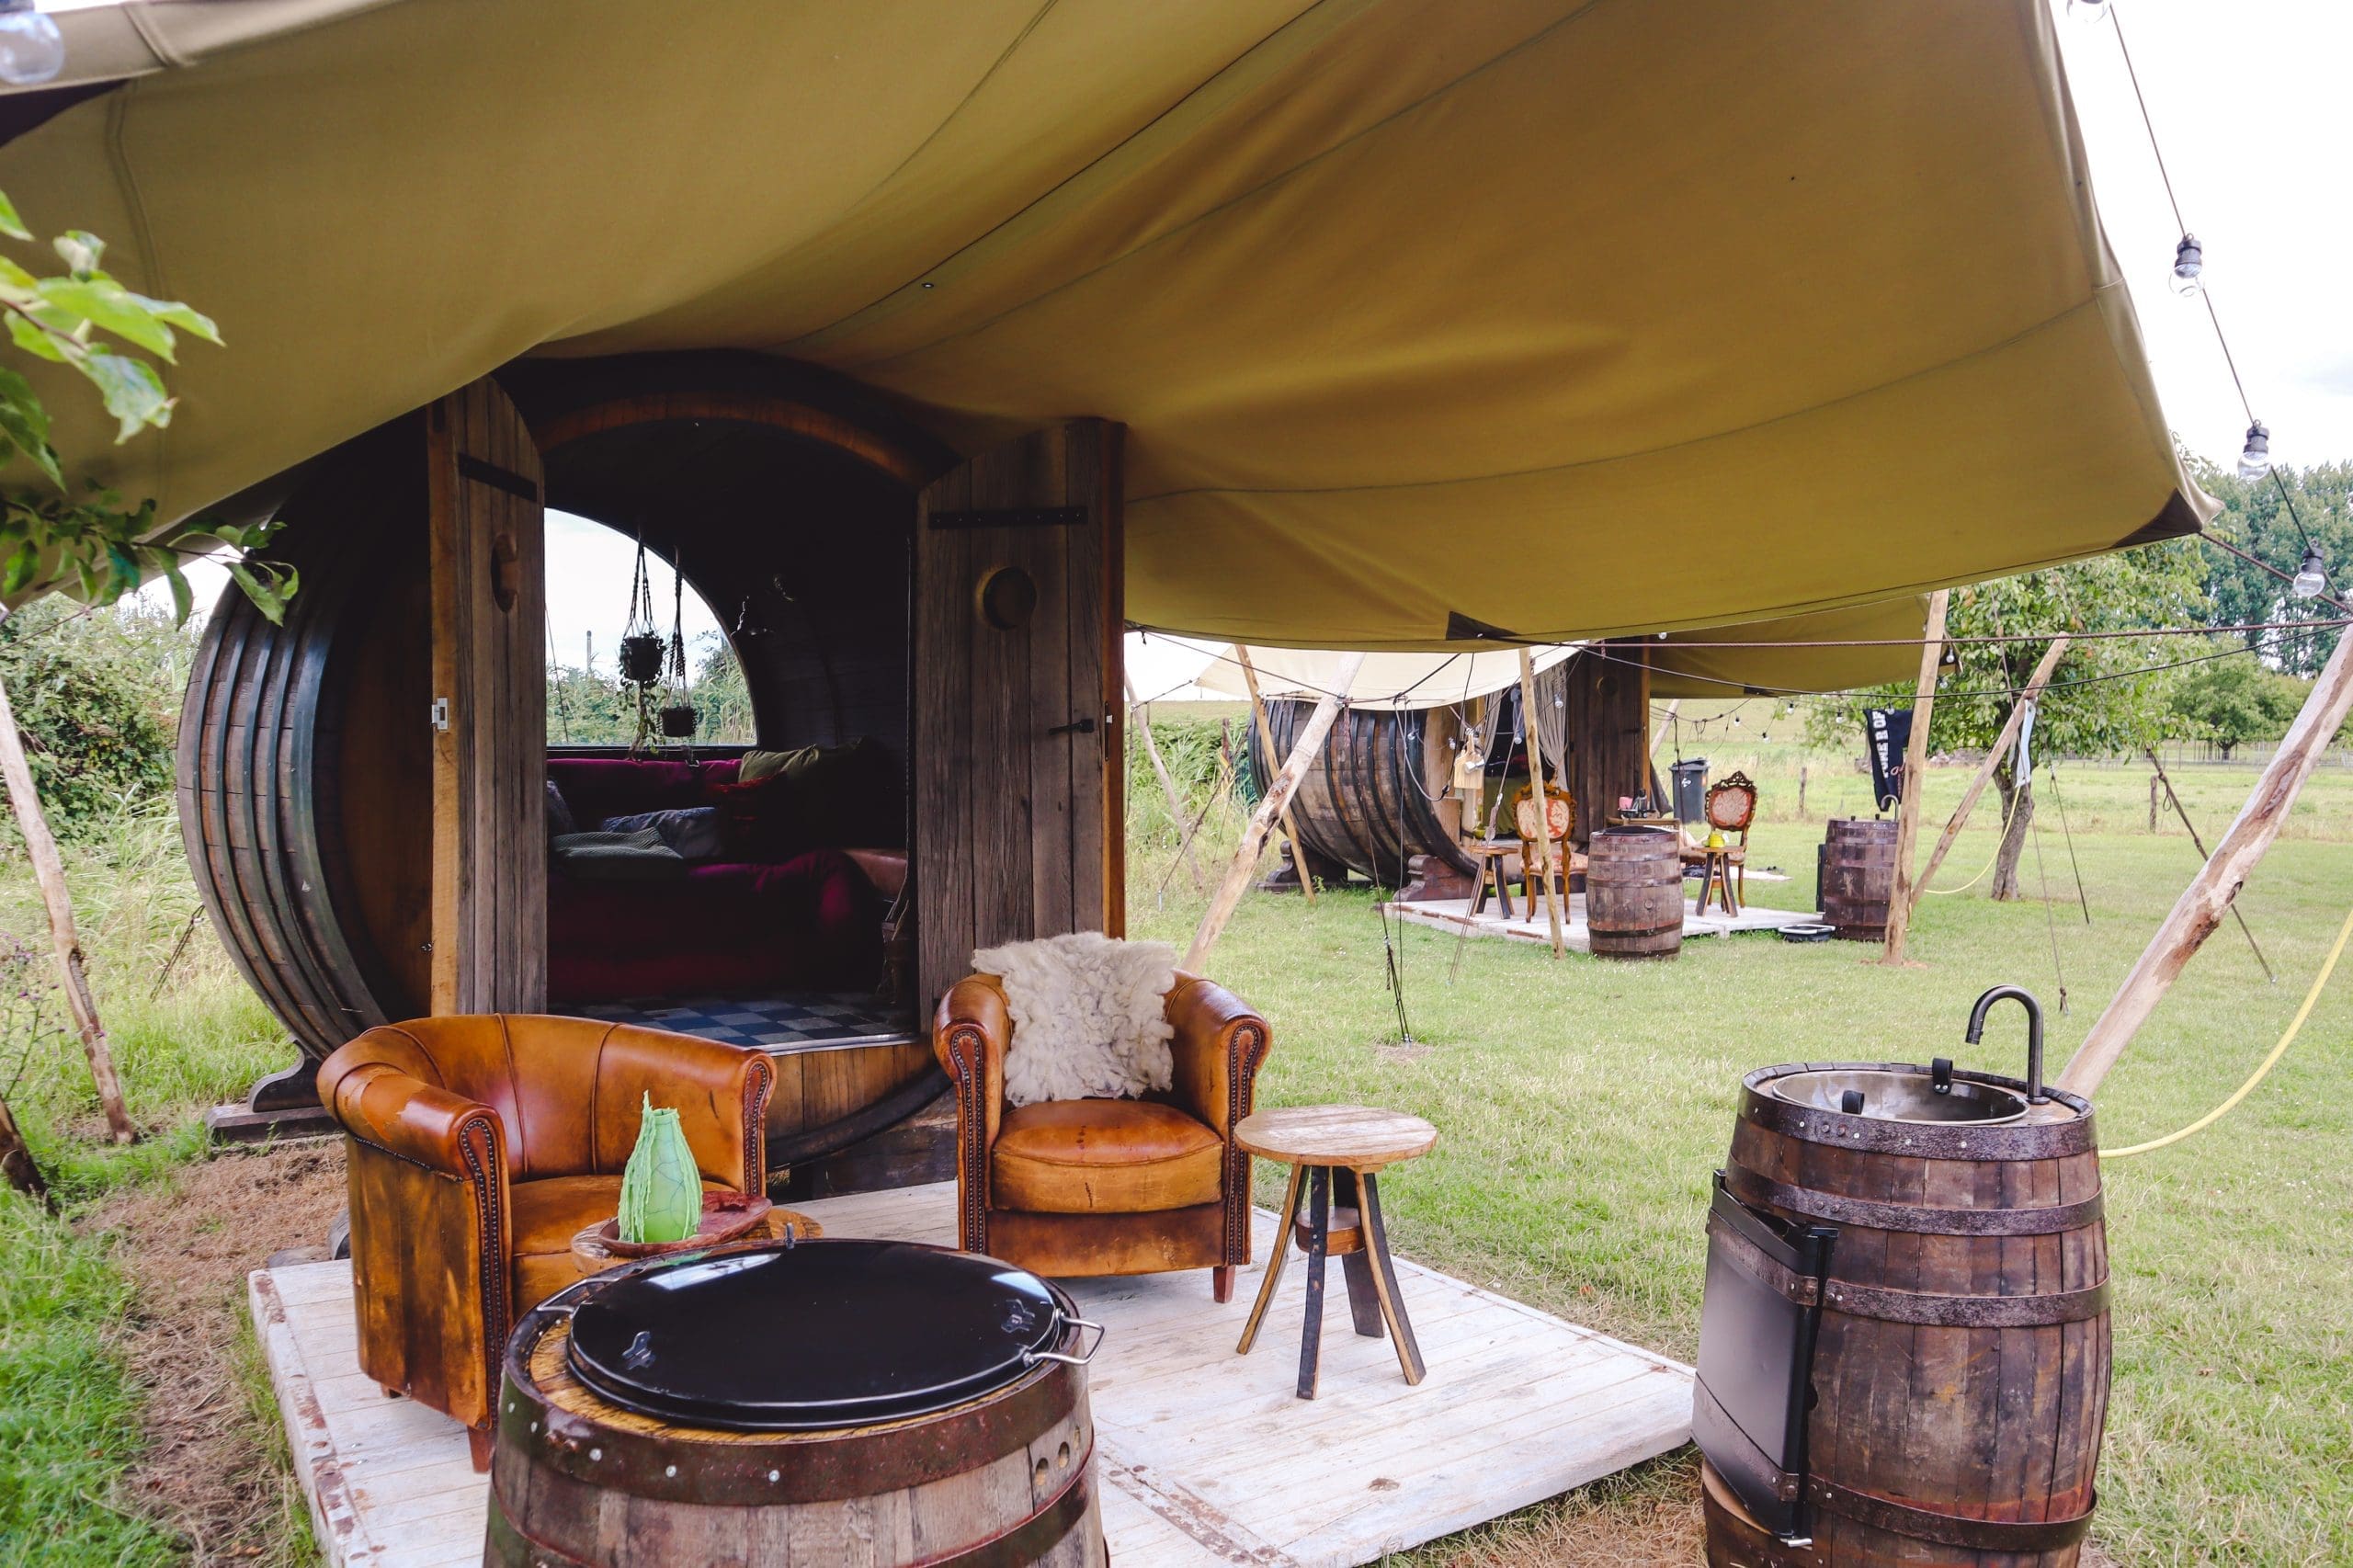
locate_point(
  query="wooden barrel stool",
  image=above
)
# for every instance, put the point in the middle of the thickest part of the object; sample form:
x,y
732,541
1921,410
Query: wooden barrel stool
x,y
1858,876
1004,1476
1633,893
1904,1353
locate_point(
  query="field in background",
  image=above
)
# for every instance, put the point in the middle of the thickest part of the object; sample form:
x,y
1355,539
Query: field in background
x,y
1582,1106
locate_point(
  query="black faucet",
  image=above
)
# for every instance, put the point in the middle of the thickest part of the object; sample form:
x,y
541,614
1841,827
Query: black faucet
x,y
2033,1033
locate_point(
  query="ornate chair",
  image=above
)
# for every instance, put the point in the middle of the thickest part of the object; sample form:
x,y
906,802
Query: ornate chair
x,y
479,1145
1730,808
1557,823
1077,1188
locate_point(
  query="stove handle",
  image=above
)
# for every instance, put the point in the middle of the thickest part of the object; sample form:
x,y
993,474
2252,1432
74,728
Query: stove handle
x,y
1031,1357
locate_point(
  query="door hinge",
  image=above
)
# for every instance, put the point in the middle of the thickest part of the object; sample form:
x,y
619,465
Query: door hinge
x,y
441,713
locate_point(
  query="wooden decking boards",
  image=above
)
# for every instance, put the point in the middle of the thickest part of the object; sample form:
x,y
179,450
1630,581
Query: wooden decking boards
x,y
1454,915
1204,1456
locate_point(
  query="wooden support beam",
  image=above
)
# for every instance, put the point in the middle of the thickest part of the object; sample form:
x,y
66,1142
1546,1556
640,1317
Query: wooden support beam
x,y
2010,726
49,871
2216,887
1137,716
1267,744
1915,763
1280,789
1553,900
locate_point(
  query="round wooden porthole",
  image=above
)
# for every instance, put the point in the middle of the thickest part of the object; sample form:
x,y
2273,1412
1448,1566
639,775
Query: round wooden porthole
x,y
1007,597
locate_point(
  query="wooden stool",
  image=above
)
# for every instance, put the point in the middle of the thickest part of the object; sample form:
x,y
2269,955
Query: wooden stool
x,y
1490,853
1715,869
1334,1153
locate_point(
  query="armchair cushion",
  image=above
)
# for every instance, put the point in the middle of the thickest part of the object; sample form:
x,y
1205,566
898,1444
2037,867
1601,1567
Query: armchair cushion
x,y
1104,1156
545,1215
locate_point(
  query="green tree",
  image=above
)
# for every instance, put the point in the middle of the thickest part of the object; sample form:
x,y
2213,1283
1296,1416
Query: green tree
x,y
2232,701
2254,518
2105,698
96,700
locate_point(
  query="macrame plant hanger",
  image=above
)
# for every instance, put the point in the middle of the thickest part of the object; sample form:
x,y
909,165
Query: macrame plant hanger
x,y
642,654
678,715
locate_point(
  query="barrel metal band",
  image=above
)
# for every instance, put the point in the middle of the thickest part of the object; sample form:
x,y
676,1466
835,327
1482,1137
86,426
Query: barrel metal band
x,y
1917,1218
1947,1529
1920,1140
1797,1288
1886,1306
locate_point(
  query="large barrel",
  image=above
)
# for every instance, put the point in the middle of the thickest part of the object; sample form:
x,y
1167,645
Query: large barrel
x,y
1633,893
1960,1372
1858,877
577,1482
1369,801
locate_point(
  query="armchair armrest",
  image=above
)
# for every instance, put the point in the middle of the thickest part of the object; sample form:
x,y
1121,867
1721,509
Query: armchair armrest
x,y
970,1035
420,1122
1219,1045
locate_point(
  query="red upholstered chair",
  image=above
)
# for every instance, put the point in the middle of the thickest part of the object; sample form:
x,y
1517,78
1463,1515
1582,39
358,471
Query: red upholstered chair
x,y
479,1145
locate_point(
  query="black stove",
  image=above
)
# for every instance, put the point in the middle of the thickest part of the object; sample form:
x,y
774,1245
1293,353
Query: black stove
x,y
820,1334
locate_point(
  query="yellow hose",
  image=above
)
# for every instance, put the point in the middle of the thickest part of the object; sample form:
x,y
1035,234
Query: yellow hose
x,y
1981,870
2270,1062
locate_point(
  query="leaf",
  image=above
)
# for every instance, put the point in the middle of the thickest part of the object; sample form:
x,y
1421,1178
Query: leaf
x,y
30,338
10,224
15,278
265,598
183,597
25,422
22,562
187,318
108,304
133,392
81,251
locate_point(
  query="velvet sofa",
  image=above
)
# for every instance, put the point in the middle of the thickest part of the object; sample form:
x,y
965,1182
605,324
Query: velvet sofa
x,y
806,919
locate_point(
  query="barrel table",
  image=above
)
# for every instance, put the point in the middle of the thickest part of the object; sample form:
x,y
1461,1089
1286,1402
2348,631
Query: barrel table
x,y
1932,1389
1858,876
898,1404
1633,893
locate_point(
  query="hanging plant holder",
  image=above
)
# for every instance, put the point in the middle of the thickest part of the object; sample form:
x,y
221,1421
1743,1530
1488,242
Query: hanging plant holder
x,y
642,656
679,721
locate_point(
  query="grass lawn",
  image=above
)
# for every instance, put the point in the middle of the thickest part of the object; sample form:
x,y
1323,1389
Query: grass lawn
x,y
1581,1103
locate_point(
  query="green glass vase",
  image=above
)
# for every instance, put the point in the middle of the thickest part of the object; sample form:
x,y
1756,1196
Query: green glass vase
x,y
661,1190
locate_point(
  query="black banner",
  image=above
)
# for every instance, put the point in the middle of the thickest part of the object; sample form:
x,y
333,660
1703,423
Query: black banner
x,y
1891,732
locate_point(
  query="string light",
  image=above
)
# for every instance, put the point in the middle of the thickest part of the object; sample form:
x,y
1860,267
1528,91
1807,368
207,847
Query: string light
x,y
31,49
2088,10
2312,575
2254,461
2188,266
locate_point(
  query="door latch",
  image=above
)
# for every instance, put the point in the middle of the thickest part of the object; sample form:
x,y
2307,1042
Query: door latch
x,y
441,713
1075,727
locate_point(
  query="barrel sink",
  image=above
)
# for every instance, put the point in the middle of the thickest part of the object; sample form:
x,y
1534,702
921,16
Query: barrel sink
x,y
1948,1374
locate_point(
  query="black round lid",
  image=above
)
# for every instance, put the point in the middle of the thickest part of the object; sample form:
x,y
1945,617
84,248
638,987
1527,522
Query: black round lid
x,y
820,1334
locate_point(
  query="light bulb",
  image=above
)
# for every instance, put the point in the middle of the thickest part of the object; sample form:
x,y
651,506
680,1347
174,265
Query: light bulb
x,y
2088,10
31,49
2188,266
2311,576
2256,461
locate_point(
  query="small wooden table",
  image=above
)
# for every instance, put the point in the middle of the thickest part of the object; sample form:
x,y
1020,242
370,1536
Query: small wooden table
x,y
594,1256
1334,1153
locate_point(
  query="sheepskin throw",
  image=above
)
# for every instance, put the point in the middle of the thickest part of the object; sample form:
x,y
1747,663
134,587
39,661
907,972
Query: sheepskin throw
x,y
1089,1018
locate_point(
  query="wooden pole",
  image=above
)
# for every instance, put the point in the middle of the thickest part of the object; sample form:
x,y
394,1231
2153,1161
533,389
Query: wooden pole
x,y
2216,887
1267,744
1552,900
2199,842
49,871
1262,821
2010,726
17,1166
1168,785
1915,763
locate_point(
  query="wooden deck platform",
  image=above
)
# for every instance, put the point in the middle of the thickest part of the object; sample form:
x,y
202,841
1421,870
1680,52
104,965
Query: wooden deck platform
x,y
1454,915
1205,1456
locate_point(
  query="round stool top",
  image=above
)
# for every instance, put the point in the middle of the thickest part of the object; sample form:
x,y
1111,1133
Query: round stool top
x,y
1358,1137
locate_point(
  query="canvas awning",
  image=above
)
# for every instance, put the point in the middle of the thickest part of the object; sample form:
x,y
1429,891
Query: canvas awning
x,y
1383,680
1554,317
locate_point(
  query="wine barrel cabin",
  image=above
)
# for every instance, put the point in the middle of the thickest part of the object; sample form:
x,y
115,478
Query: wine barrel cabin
x,y
368,792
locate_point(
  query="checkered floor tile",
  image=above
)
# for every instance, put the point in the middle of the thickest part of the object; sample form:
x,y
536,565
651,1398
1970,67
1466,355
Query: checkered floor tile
x,y
791,1017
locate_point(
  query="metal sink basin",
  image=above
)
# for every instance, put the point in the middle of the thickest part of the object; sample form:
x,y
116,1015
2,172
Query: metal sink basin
x,y
1895,1094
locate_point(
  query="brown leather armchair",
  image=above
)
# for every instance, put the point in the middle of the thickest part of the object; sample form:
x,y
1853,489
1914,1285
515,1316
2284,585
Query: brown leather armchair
x,y
479,1145
1076,1188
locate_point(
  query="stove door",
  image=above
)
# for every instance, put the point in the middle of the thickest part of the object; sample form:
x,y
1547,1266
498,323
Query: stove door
x,y
1756,1335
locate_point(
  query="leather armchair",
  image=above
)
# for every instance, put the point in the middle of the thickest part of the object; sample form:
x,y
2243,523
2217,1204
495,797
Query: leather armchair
x,y
479,1145
1076,1188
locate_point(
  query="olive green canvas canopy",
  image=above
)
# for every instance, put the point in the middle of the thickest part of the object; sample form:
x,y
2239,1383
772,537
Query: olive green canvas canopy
x,y
1429,322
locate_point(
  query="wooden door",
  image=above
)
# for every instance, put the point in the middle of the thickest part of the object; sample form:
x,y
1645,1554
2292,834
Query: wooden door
x,y
1019,747
489,712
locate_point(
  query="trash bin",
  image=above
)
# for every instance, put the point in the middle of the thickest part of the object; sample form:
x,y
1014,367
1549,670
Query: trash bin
x,y
1690,788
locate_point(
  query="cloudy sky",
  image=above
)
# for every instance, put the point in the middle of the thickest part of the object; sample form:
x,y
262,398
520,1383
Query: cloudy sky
x,y
2248,101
